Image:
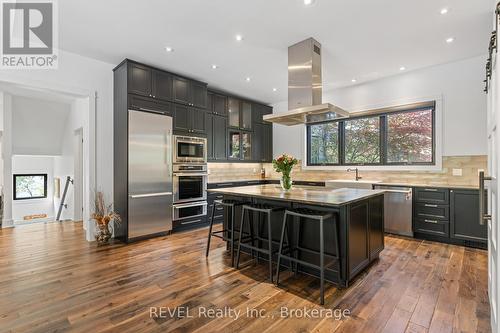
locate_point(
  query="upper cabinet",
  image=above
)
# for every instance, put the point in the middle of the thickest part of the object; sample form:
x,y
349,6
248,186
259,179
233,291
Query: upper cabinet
x,y
190,92
140,80
240,113
233,126
219,104
158,84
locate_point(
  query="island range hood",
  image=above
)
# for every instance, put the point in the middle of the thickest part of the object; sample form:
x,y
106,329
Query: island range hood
x,y
305,88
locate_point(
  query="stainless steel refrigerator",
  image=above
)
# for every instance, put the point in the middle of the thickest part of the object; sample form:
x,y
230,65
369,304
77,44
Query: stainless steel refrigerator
x,y
149,174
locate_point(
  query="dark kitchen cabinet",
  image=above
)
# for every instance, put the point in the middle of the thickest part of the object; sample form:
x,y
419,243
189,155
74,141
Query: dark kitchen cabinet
x,y
150,105
162,85
219,104
198,94
181,90
239,145
140,80
258,111
150,82
233,110
239,113
262,142
219,137
246,115
189,119
464,216
189,92
216,137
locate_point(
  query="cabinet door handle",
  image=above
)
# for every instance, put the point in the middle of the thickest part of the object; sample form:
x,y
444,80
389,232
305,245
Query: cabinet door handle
x,y
190,222
430,189
432,206
482,215
431,221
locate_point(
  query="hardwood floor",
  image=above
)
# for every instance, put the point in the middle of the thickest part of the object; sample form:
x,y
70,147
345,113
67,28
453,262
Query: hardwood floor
x,y
51,279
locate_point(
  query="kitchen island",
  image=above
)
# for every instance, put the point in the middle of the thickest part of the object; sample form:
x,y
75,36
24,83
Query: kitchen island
x,y
359,214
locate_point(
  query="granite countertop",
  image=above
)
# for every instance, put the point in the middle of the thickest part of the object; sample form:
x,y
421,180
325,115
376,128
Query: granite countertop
x,y
303,194
466,187
401,184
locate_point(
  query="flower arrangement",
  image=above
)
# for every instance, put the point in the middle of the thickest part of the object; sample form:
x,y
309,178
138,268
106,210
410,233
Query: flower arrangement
x,y
284,165
103,215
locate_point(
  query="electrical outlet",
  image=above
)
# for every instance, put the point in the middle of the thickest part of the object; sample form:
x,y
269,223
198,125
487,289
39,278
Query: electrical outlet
x,y
456,172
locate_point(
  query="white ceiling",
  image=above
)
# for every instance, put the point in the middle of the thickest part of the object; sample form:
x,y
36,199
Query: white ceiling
x,y
362,39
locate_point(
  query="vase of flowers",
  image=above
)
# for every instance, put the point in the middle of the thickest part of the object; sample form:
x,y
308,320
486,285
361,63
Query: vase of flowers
x,y
284,165
103,215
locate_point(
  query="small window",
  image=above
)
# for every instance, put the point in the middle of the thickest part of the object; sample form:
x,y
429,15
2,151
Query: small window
x,y
323,144
362,141
409,137
30,186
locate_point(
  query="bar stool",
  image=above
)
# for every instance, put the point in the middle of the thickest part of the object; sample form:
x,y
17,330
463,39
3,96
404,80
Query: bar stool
x,y
267,211
227,233
320,217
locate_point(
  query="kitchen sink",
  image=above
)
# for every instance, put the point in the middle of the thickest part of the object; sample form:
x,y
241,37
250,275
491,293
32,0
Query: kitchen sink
x,y
342,183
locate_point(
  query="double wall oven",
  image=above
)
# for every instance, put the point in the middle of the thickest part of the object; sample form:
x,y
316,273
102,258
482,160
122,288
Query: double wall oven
x,y
189,179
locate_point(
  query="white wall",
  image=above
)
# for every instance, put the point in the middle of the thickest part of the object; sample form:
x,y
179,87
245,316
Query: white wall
x,y
82,77
64,164
6,123
34,164
459,84
38,126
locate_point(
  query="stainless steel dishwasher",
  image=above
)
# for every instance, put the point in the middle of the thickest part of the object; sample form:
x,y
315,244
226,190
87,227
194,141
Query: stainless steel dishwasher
x,y
397,209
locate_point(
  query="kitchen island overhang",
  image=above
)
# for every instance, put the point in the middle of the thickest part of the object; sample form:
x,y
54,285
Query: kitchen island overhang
x,y
359,214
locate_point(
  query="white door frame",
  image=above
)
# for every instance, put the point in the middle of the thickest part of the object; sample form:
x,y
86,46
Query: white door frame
x,y
89,136
78,176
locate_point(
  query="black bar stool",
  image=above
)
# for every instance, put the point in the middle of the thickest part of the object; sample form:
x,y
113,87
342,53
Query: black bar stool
x,y
267,211
308,214
227,233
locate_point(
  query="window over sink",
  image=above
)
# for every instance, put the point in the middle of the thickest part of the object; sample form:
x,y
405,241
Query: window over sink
x,y
396,136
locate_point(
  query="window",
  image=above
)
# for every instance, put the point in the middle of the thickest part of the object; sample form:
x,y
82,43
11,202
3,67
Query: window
x,y
401,136
409,137
31,186
323,144
362,141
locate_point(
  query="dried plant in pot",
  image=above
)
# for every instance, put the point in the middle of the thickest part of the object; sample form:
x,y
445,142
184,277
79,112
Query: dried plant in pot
x,y
103,216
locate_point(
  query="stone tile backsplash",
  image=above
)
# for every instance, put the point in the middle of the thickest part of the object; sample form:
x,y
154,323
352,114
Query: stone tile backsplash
x,y
219,172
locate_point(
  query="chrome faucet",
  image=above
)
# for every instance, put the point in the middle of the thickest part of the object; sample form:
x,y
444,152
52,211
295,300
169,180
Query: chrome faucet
x,y
358,177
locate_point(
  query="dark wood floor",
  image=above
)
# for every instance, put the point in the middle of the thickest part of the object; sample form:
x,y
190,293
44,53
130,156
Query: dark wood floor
x,y
51,279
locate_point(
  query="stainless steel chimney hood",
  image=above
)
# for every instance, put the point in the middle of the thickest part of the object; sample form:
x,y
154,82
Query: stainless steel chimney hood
x,y
305,88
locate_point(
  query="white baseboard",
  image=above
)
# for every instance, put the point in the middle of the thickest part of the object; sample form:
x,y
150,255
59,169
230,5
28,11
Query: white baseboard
x,y
7,223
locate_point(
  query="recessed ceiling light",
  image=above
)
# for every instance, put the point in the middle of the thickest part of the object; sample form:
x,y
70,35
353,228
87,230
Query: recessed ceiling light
x,y
308,2
450,40
444,11
247,79
353,80
214,66
169,49
275,89
239,38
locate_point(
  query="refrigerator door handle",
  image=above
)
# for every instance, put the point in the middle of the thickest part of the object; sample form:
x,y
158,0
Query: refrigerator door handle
x,y
149,195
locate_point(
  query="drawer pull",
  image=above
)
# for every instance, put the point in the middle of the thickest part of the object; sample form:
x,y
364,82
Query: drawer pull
x,y
431,221
190,222
431,189
432,206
